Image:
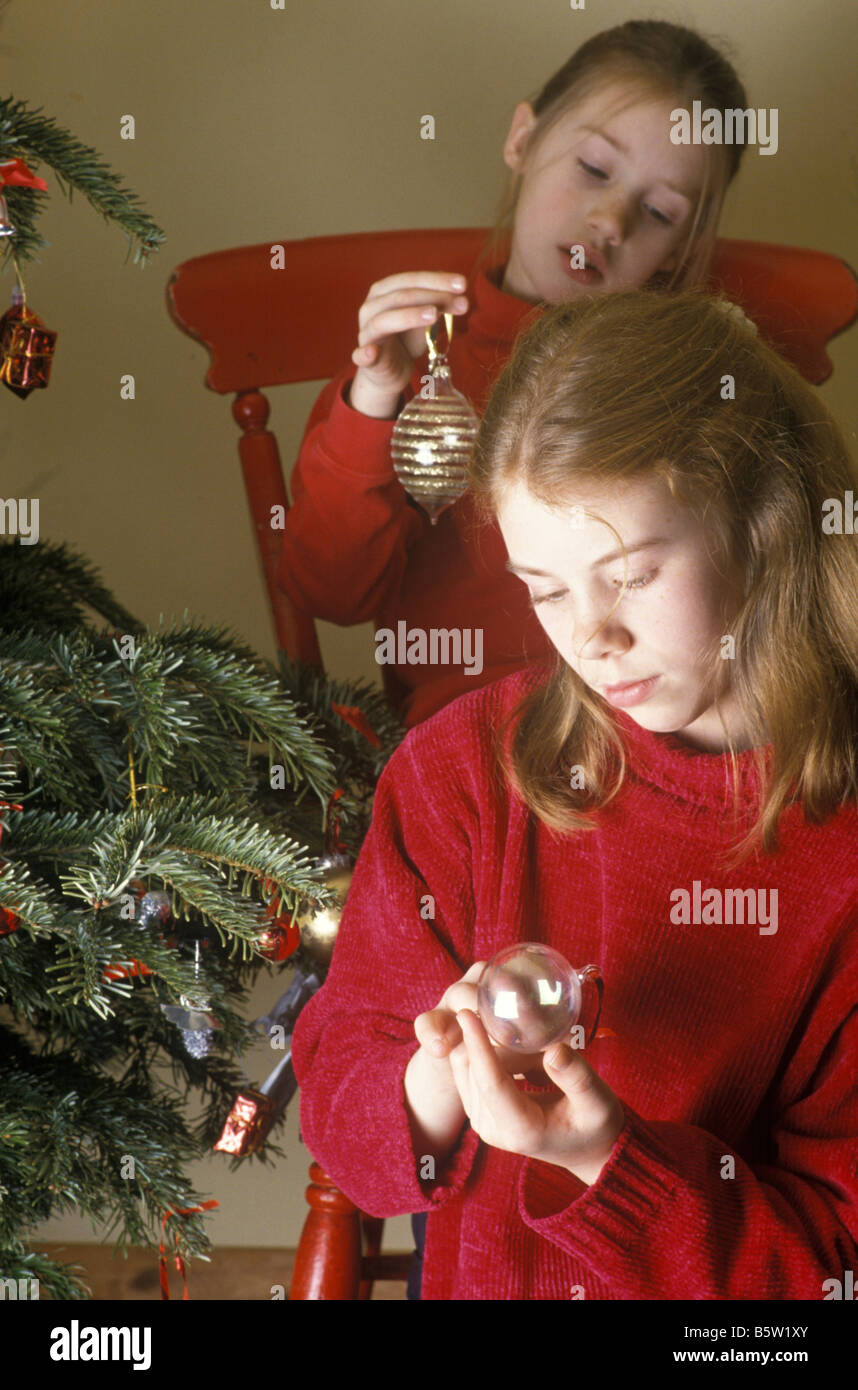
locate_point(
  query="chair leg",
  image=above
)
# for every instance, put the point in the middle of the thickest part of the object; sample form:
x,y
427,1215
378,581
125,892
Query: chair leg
x,y
328,1262
373,1230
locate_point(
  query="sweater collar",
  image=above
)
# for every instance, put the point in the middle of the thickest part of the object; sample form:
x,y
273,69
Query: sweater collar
x,y
668,762
704,779
495,316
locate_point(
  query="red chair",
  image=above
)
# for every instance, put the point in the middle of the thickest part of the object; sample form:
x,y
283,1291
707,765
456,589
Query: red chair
x,y
264,327
269,327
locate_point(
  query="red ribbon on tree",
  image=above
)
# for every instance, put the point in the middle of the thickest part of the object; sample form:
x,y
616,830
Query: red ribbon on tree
x,y
335,840
358,720
8,920
180,1264
15,174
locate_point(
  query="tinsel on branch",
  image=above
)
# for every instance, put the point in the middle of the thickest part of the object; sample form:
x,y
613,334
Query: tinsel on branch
x,y
139,762
37,140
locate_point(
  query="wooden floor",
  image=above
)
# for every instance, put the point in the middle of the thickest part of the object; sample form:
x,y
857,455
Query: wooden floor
x,y
235,1272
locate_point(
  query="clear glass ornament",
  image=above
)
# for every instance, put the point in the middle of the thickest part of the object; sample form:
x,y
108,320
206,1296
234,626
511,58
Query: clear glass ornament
x,y
192,1017
7,228
529,996
433,436
198,1042
154,907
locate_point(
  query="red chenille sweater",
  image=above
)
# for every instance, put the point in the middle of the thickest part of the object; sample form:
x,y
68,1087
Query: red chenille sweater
x,y
735,1053
356,549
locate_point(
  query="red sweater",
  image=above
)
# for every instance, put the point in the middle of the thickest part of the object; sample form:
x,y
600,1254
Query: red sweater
x,y
730,1043
356,549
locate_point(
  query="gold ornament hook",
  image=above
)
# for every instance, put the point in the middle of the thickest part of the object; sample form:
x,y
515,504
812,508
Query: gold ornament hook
x,y
431,338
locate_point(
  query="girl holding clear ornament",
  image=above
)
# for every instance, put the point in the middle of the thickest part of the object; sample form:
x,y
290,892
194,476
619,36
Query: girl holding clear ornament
x,y
693,739
593,168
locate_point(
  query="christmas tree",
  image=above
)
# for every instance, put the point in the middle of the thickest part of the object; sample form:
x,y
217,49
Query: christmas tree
x,y
30,138
165,799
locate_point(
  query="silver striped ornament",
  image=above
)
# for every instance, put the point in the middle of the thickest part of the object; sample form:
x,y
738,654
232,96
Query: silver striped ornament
x,y
434,435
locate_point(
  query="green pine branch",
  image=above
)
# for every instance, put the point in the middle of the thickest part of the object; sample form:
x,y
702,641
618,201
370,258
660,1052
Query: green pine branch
x,y
136,760
48,587
37,139
77,1131
357,761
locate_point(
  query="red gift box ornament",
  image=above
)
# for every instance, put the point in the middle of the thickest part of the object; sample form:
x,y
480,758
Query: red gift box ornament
x,y
247,1124
26,349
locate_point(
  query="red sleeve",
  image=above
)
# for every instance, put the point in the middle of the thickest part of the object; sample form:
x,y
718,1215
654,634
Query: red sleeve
x,y
349,527
355,1037
664,1214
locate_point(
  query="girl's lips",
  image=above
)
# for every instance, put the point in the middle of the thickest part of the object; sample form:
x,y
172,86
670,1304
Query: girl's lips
x,y
631,693
589,276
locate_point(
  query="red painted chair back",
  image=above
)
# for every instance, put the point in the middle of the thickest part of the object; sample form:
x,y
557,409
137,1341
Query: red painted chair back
x,y
265,326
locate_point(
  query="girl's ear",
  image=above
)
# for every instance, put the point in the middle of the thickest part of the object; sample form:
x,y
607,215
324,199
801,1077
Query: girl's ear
x,y
523,122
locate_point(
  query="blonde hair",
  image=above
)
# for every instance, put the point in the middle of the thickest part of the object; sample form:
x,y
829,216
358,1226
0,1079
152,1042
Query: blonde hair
x,y
611,387
648,57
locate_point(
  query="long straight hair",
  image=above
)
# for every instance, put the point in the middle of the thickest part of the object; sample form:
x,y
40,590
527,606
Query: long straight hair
x,y
638,59
632,385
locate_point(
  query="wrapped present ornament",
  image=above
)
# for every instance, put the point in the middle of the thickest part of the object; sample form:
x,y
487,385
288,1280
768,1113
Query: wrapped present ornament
x,y
247,1124
255,1111
26,348
433,436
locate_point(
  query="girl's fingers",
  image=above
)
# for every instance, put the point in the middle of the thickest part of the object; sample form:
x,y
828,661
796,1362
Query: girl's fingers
x,y
438,1025
409,299
399,320
437,1031
395,321
490,1098
483,1063
427,281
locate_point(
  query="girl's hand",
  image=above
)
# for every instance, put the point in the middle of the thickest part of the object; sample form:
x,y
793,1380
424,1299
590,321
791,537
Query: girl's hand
x,y
574,1127
392,323
431,1091
440,1035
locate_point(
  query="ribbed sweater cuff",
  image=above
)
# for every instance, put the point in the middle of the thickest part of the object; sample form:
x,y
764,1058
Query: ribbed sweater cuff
x,y
613,1214
455,1171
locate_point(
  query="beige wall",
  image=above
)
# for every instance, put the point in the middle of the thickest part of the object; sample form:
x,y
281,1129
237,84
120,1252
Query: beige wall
x,y
256,124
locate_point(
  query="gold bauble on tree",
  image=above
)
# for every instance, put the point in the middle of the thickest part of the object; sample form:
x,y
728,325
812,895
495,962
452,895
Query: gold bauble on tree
x,y
319,926
433,437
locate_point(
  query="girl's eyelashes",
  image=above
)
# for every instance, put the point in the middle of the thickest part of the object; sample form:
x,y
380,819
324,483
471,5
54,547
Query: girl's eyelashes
x,y
591,169
659,216
601,174
638,582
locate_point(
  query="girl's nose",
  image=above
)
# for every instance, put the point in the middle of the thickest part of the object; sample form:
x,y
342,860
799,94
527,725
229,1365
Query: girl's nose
x,y
597,635
608,216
